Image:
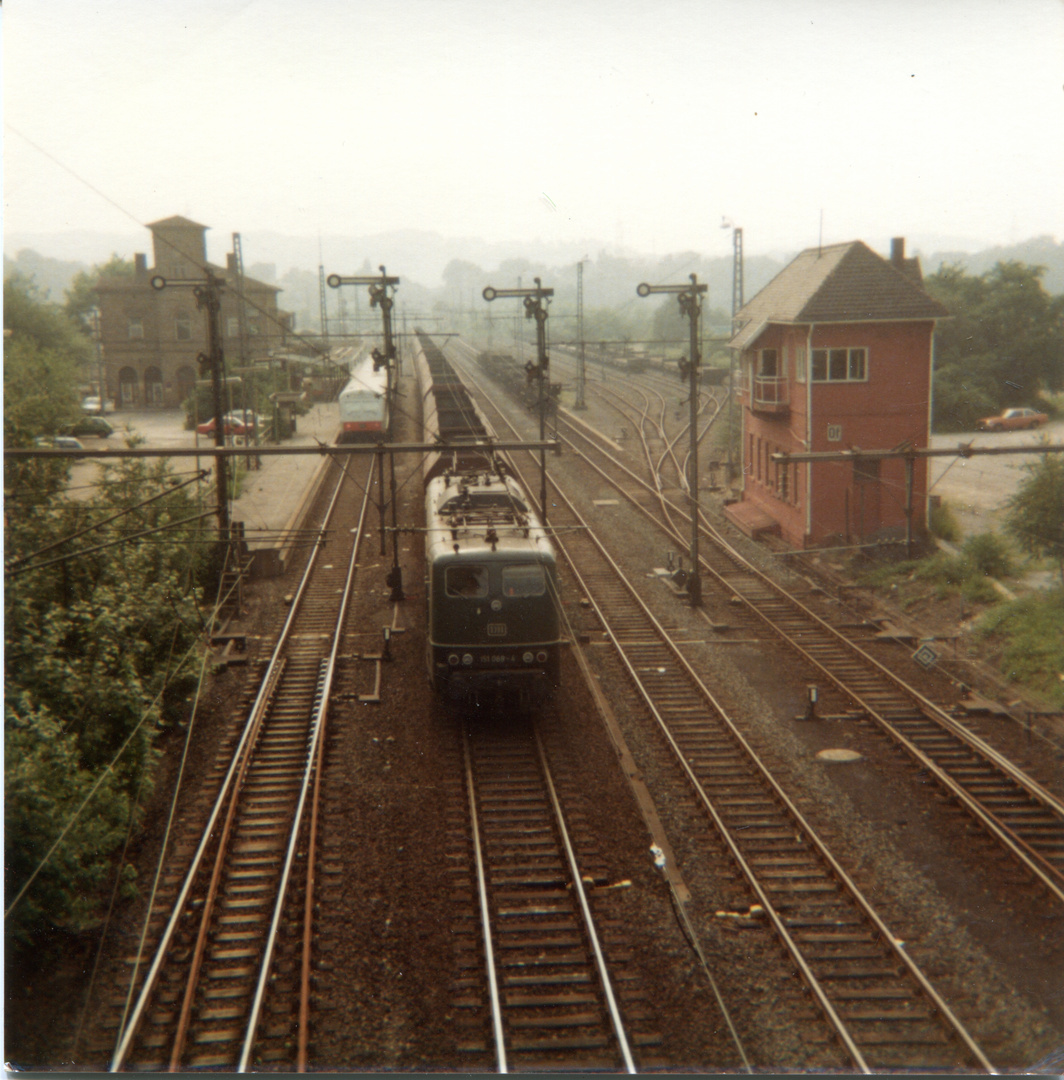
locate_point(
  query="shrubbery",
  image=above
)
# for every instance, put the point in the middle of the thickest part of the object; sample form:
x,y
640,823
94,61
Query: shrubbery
x,y
94,636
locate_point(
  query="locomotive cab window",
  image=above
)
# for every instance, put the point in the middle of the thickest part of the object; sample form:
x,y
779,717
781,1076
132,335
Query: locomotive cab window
x,y
466,581
526,580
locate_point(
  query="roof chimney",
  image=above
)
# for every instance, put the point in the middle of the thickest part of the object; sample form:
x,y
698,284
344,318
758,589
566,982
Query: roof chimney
x,y
897,251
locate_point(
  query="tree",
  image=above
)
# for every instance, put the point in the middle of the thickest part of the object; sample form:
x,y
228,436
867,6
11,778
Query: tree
x,y
92,645
1036,511
43,356
1002,346
82,297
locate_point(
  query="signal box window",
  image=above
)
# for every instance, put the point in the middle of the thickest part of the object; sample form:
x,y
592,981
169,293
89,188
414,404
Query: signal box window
x,y
466,581
768,364
525,580
840,365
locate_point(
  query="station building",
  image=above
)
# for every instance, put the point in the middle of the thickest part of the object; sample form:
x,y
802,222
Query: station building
x,y
150,339
835,353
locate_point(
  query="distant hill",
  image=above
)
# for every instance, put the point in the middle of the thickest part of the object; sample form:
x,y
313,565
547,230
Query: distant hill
x,y
454,270
1039,251
53,276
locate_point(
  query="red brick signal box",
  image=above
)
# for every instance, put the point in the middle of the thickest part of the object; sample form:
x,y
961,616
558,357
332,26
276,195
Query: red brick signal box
x,y
835,353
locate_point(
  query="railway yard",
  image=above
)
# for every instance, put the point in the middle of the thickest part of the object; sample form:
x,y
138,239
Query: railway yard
x,y
680,862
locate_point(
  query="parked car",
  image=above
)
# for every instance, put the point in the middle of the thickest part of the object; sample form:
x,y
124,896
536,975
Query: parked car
x,y
90,425
95,406
1012,420
57,442
234,423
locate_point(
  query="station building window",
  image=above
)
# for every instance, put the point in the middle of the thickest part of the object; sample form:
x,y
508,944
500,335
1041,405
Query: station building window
x,y
135,327
183,327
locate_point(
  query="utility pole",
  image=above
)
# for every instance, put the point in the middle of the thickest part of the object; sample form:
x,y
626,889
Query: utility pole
x,y
97,341
241,311
323,308
736,305
380,296
690,299
580,371
535,301
208,296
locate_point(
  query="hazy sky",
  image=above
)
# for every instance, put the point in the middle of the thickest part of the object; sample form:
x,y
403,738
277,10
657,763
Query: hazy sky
x,y
642,123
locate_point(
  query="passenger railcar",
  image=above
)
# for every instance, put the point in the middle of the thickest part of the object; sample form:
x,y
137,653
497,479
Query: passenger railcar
x,y
491,576
364,404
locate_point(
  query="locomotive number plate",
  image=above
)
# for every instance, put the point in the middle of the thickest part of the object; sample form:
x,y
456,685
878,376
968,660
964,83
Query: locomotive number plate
x,y
496,629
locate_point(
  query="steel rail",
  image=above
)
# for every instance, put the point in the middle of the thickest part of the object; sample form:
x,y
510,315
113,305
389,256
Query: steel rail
x,y
317,729
485,914
585,908
207,912
794,950
1051,876
240,752
851,887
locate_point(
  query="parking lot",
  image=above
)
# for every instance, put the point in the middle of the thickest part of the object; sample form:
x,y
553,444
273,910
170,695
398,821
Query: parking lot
x,y
268,495
978,488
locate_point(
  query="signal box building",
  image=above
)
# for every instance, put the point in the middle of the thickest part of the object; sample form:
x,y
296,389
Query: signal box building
x,y
150,339
835,353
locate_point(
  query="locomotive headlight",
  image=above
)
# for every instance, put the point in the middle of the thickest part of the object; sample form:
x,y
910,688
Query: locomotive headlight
x,y
541,657
453,659
467,659
528,658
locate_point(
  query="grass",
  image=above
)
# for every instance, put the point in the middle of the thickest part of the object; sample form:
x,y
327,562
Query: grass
x,y
1026,635
1030,634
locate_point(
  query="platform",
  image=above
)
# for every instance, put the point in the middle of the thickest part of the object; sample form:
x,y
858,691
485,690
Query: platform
x,y
274,496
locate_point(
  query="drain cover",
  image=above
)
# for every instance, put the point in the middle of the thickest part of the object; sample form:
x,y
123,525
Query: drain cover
x,y
839,755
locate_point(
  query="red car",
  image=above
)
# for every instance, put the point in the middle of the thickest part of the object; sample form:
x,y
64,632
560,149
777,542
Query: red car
x,y
1012,420
232,424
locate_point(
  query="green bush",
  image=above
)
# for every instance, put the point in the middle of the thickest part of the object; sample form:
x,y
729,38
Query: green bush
x,y
989,555
944,523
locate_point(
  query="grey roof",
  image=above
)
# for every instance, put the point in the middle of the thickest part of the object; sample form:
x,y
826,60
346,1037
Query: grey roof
x,y
839,283
175,221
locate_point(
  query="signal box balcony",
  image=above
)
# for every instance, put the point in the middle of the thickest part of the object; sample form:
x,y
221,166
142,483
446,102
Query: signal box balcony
x,y
771,395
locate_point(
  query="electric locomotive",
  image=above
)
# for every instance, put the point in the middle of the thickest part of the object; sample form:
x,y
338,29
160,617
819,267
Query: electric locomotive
x,y
493,626
492,587
364,404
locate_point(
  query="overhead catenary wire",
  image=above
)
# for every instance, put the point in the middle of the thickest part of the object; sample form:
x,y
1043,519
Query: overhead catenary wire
x,y
12,564
17,572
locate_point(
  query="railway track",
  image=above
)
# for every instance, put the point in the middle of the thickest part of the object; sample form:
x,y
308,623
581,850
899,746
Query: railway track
x,y
882,1011
1012,807
225,981
538,978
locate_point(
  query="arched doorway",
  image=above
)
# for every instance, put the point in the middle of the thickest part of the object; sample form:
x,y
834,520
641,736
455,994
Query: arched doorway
x,y
127,388
186,382
153,388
